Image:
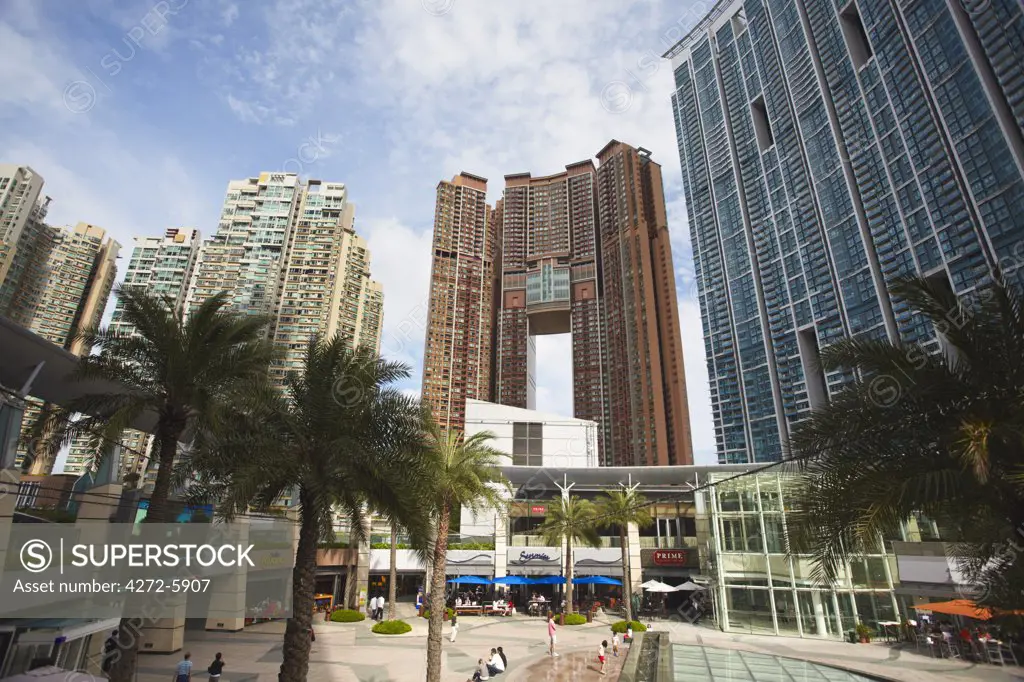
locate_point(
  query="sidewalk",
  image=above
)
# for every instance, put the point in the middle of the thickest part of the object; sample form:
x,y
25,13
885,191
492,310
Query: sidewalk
x,y
350,652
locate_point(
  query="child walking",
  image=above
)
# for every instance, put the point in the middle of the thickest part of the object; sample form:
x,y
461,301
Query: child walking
x,y
615,644
601,654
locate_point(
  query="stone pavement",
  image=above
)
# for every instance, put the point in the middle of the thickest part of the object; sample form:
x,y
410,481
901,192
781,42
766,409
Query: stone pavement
x,y
351,653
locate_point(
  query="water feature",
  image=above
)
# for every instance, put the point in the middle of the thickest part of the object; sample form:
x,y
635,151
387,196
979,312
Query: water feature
x,y
702,664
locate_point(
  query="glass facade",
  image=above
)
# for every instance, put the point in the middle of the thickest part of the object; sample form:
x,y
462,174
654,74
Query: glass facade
x,y
829,148
757,589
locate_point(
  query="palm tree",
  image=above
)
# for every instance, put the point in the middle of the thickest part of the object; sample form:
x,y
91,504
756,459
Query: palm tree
x,y
186,372
573,521
343,437
463,473
939,433
617,509
393,573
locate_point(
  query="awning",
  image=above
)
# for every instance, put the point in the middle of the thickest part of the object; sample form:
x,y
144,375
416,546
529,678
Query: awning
x,y
70,631
963,607
50,674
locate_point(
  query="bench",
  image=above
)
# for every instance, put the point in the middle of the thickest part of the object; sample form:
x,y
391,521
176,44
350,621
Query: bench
x,y
469,610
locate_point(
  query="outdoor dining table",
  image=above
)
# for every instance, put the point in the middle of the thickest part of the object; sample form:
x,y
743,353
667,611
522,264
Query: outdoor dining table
x,y
890,630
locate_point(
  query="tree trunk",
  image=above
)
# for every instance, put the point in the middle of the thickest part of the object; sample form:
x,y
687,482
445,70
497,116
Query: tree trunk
x,y
130,629
627,586
168,439
436,597
568,575
352,584
393,578
295,666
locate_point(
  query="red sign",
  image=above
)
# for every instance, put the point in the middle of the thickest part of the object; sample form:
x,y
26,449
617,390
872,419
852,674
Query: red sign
x,y
669,557
538,509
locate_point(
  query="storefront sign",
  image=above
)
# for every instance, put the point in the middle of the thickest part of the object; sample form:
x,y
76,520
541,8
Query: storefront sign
x,y
538,509
534,560
669,557
533,556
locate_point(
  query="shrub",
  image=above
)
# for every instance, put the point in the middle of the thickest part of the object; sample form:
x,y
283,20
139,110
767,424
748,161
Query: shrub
x,y
392,627
472,545
451,612
575,619
620,627
347,616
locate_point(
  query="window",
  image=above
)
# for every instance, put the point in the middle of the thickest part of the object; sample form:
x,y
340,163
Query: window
x,y
855,35
810,358
527,444
762,127
739,22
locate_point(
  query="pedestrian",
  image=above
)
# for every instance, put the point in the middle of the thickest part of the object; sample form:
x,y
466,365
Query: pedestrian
x,y
629,634
601,654
481,671
551,635
615,644
183,673
455,626
495,666
109,647
216,668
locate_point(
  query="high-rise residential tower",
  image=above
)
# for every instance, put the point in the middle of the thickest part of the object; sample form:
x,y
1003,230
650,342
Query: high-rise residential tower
x,y
161,266
20,188
828,149
585,251
246,256
58,282
458,360
327,288
288,249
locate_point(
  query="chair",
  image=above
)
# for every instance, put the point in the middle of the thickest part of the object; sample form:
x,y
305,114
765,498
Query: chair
x,y
948,649
925,641
1000,654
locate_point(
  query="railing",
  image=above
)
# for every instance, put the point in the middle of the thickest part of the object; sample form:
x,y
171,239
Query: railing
x,y
668,543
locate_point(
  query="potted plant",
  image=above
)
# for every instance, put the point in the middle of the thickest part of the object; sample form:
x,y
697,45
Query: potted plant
x,y
864,633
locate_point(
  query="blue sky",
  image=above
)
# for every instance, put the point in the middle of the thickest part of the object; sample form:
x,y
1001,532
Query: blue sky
x,y
137,114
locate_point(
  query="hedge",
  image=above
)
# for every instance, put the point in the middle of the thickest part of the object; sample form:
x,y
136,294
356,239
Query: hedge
x,y
426,613
576,619
392,627
347,616
620,627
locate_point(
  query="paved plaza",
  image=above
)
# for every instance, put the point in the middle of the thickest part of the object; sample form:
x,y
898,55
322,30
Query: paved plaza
x,y
351,653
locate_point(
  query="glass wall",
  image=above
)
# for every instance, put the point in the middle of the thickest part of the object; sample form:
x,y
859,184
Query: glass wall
x,y
759,590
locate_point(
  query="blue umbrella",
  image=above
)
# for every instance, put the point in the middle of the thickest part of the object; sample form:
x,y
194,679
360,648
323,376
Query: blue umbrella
x,y
512,580
548,580
596,580
469,580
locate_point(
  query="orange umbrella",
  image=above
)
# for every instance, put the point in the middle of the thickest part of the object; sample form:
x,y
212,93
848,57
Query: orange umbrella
x,y
958,607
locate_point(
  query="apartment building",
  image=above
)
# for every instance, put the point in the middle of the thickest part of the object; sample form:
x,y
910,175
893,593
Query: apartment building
x,y
458,359
585,251
288,250
828,150
20,189
162,266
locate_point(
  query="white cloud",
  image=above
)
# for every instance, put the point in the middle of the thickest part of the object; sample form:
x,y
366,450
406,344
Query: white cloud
x,y
229,14
401,260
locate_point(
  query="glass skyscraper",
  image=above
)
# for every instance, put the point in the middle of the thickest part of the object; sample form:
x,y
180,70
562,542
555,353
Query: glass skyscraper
x,y
829,148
